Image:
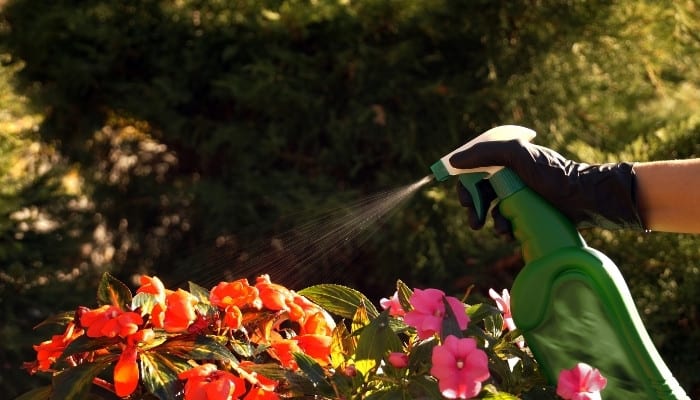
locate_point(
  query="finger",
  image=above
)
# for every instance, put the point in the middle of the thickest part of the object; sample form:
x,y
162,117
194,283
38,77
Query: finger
x,y
465,199
501,225
477,217
486,154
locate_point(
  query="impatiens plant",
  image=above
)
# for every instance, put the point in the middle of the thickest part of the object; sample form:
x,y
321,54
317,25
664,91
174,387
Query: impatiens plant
x,y
247,341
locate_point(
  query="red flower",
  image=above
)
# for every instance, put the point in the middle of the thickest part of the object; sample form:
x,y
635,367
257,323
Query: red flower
x,y
206,382
126,372
459,367
274,297
283,350
110,321
263,390
582,382
48,351
316,346
179,311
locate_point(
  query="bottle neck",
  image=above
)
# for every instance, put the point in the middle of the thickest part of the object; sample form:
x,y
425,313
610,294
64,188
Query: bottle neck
x,y
540,228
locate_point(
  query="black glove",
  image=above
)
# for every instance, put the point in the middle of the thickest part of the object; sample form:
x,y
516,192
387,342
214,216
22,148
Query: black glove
x,y
601,195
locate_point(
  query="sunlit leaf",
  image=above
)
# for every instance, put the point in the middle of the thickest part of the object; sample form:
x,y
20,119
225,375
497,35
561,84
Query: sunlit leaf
x,y
74,383
339,336
144,301
359,319
159,374
492,393
204,305
404,294
339,300
198,347
112,291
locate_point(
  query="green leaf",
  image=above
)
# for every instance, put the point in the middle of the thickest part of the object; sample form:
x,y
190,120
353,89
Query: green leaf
x,y
405,294
388,394
145,301
159,374
112,291
311,368
61,319
424,387
204,305
84,344
419,358
340,300
75,382
377,339
41,393
491,392
198,347
478,312
359,319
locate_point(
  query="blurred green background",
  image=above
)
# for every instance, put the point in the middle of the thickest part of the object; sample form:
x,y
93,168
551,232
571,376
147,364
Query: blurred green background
x,y
170,137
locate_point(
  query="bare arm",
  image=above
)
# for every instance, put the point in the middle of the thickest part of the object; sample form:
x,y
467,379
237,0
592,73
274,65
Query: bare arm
x,y
668,195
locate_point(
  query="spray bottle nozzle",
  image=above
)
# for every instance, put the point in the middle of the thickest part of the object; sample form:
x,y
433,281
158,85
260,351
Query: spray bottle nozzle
x,y
471,178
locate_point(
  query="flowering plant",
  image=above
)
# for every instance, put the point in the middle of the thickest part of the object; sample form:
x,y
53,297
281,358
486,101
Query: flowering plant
x,y
264,341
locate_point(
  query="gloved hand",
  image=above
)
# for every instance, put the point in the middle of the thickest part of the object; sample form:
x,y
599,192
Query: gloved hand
x,y
601,195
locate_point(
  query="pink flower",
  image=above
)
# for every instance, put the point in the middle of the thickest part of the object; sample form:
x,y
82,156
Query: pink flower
x,y
582,382
459,367
503,304
393,305
398,359
429,311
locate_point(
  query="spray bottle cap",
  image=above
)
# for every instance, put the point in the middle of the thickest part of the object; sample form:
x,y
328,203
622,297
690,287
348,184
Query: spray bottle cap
x,y
471,178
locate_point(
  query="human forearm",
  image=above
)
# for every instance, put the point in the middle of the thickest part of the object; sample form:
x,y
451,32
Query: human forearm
x,y
668,195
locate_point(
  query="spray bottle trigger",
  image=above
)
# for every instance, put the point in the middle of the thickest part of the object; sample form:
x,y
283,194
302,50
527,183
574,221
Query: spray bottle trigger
x,y
470,182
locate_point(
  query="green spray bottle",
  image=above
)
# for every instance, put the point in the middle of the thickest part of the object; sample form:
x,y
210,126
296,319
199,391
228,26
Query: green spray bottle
x,y
570,301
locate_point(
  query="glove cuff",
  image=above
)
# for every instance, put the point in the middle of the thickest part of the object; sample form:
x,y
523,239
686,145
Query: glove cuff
x,y
614,199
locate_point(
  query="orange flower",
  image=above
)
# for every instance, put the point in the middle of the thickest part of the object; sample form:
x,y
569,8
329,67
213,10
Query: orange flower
x,y
233,318
110,321
273,296
126,372
206,382
283,350
154,286
179,311
238,293
49,350
318,324
316,346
